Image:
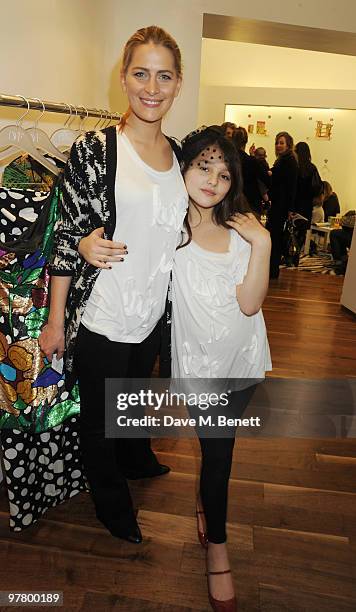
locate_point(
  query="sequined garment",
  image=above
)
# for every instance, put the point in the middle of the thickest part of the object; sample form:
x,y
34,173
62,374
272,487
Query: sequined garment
x,y
32,393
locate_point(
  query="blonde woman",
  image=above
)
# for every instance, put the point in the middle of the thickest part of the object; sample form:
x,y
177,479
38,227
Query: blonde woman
x,y
125,184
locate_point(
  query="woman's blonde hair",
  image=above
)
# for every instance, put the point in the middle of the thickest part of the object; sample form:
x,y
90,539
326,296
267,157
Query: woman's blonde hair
x,y
157,36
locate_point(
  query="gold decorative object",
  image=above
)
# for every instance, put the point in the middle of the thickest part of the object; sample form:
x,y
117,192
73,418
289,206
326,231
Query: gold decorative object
x,y
323,130
261,128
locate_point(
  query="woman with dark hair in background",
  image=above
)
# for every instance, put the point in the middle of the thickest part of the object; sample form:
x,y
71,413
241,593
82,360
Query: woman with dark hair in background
x,y
282,194
331,204
309,186
253,172
309,183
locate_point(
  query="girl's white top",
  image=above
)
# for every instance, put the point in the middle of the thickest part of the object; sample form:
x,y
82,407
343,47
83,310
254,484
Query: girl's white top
x,y
127,302
211,337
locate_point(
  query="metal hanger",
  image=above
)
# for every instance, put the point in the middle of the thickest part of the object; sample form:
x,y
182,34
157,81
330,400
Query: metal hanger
x,y
83,119
40,139
100,110
65,136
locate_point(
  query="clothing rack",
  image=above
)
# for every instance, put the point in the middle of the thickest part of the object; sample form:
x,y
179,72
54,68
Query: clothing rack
x,y
55,107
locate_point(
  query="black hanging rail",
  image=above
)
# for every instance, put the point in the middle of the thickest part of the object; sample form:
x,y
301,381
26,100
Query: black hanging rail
x,y
20,101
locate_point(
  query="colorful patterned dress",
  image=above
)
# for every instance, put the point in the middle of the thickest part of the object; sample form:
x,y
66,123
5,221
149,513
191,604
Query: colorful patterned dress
x,y
38,418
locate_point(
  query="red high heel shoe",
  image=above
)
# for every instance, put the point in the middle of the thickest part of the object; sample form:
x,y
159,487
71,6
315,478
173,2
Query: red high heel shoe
x,y
203,538
227,605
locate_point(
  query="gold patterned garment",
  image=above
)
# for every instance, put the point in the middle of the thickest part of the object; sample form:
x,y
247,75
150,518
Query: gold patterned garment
x,y
32,393
25,172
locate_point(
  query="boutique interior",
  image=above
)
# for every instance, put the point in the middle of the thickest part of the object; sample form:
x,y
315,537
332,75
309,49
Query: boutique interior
x,y
268,67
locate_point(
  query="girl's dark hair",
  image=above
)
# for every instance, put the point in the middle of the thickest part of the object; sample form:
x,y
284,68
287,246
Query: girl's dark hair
x,y
288,138
240,138
304,158
234,200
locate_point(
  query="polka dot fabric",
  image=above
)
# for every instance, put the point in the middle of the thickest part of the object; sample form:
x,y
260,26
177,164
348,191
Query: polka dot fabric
x,y
41,471
19,208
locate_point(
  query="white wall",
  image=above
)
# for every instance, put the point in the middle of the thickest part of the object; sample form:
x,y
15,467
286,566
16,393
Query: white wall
x,y
52,49
213,99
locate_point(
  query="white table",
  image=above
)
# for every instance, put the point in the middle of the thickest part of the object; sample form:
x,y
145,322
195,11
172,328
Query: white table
x,y
324,229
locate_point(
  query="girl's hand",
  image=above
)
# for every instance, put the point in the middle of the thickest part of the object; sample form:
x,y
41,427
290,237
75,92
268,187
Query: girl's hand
x,y
251,229
51,340
99,252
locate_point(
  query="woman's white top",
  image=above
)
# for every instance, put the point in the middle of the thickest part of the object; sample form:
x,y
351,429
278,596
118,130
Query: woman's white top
x,y
127,301
211,337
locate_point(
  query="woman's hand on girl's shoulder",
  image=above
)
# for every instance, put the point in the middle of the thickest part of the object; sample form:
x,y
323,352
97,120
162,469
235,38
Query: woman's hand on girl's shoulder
x,y
100,252
249,227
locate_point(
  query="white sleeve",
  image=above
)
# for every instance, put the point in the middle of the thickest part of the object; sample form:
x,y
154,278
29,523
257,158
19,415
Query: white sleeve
x,y
242,259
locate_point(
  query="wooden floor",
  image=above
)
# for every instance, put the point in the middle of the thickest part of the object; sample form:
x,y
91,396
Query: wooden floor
x,y
292,511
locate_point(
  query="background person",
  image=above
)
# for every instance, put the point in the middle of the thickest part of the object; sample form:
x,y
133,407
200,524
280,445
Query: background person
x,y
253,172
309,183
282,194
309,186
340,241
318,211
331,204
260,154
228,129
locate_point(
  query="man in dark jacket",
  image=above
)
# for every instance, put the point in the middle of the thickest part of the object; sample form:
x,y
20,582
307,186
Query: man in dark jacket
x,y
253,173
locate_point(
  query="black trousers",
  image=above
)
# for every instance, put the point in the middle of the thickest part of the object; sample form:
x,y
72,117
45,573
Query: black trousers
x,y
105,459
275,225
216,464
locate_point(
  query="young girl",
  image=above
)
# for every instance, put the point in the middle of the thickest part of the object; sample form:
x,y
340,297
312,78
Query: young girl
x,y
127,183
220,279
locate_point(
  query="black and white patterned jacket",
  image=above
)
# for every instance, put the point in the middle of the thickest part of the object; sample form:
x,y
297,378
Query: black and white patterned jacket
x,y
88,202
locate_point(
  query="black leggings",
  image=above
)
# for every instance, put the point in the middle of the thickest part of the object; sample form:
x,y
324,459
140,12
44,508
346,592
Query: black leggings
x,y
216,467
105,459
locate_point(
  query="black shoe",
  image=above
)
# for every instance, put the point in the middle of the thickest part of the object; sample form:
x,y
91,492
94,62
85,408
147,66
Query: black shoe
x,y
157,470
132,534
